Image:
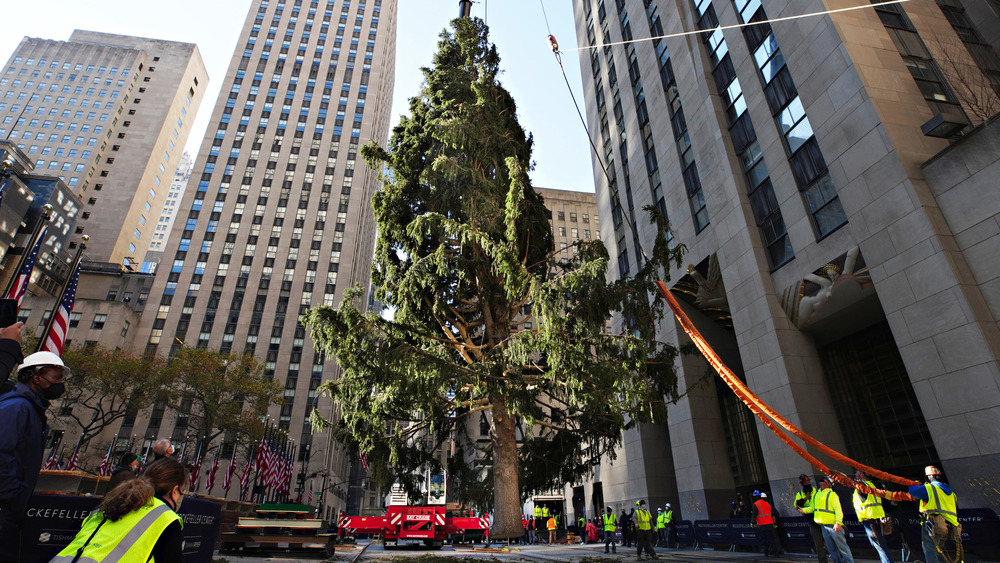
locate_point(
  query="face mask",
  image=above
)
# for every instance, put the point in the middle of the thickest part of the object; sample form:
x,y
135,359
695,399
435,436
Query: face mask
x,y
54,391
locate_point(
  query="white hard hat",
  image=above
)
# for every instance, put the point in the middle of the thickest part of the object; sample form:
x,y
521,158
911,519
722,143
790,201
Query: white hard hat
x,y
763,495
42,359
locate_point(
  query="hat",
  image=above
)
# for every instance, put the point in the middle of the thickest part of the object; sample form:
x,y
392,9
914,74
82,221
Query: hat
x,y
733,503
668,505
659,510
640,502
39,359
128,458
763,495
826,478
756,493
931,470
803,476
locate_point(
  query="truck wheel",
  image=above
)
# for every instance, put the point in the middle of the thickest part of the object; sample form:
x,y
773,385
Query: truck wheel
x,y
433,544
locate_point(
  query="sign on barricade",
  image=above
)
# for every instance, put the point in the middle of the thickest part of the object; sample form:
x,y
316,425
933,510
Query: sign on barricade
x,y
52,521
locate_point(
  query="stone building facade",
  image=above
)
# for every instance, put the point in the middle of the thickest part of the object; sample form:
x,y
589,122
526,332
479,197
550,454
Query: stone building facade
x,y
109,115
837,242
277,217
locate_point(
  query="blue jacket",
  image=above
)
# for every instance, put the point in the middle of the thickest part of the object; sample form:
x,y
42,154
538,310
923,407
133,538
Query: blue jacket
x,y
921,493
22,443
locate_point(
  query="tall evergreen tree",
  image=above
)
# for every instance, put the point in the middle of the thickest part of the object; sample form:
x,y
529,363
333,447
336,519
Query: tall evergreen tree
x,y
465,251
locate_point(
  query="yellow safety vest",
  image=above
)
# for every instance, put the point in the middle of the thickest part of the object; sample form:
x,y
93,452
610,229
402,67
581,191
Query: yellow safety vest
x,y
609,522
827,510
131,538
538,512
869,508
642,519
940,502
807,507
661,521
669,517
545,512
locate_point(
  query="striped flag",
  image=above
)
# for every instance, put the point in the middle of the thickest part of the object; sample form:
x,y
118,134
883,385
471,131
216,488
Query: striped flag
x,y
196,473
21,285
309,498
56,337
106,463
210,480
227,481
74,461
245,479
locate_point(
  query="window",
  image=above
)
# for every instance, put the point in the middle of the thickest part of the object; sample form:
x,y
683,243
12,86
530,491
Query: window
x,y
74,319
99,321
125,329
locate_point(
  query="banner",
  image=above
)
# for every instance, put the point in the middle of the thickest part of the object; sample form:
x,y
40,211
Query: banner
x,y
52,521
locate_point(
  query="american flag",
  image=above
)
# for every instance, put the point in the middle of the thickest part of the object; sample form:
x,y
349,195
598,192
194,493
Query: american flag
x,y
105,468
74,460
245,479
309,498
196,472
364,460
21,285
51,461
56,337
227,481
210,480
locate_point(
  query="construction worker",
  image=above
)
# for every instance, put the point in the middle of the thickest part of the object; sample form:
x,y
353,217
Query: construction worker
x,y
539,523
609,530
939,508
551,525
804,504
669,513
870,514
762,515
661,528
828,513
581,526
643,531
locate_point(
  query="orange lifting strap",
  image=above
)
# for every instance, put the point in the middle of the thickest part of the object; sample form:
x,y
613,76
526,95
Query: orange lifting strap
x,y
772,419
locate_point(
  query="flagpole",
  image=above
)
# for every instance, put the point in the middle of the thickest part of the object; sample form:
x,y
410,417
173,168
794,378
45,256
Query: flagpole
x,y
257,484
62,294
45,217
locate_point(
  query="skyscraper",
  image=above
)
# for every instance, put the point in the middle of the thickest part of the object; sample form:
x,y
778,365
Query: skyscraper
x,y
792,158
109,115
278,217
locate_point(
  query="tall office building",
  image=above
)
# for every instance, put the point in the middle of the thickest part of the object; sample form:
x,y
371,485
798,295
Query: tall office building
x,y
836,262
278,215
168,215
109,115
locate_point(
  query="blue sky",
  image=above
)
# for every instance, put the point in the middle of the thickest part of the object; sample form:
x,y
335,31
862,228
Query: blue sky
x,y
517,27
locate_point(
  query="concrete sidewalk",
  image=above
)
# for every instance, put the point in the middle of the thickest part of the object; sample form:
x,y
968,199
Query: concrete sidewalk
x,y
571,553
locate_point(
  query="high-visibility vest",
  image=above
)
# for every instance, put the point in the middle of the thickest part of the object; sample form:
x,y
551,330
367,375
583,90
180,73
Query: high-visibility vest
x,y
538,512
764,516
545,512
642,519
807,506
551,524
582,521
609,522
940,502
869,508
661,521
826,509
130,538
670,517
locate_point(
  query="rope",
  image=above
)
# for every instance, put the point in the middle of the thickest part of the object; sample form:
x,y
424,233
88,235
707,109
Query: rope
x,y
739,25
544,15
773,419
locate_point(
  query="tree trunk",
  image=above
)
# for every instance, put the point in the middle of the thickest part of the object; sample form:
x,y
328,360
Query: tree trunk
x,y
506,486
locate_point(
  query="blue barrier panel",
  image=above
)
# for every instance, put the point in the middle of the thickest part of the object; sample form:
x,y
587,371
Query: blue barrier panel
x,y
737,532
980,529
684,532
794,533
52,521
